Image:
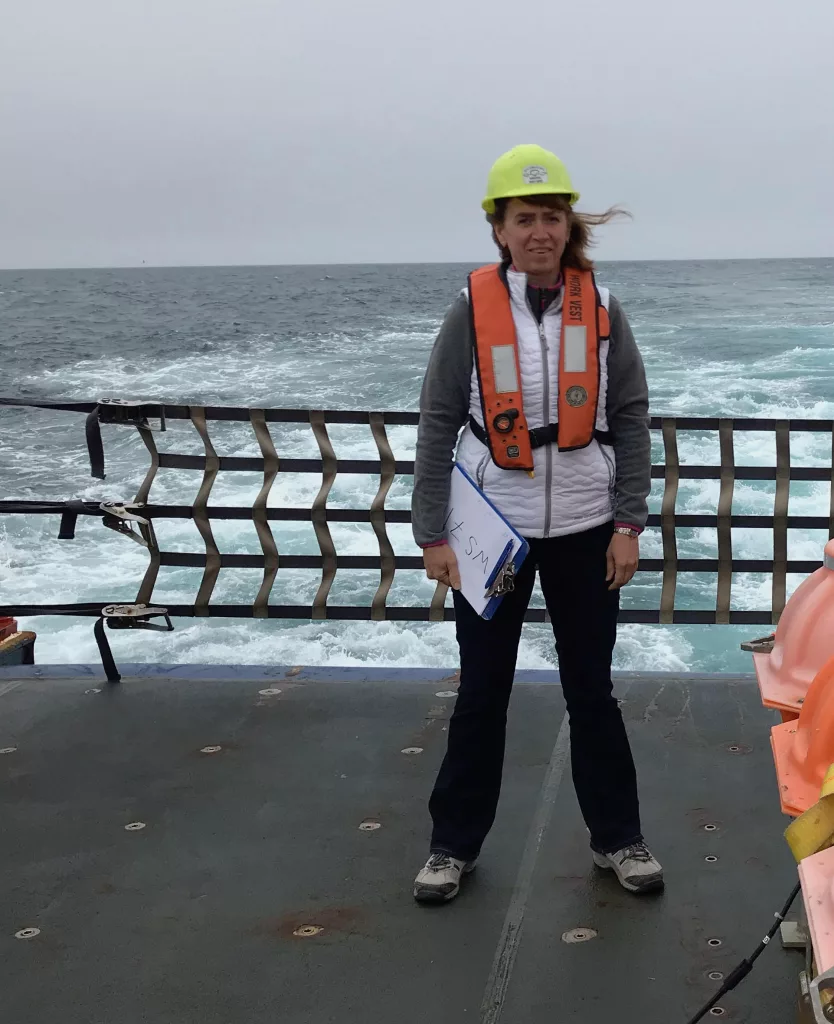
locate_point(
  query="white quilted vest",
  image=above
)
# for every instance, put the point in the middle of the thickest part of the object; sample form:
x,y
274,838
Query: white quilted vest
x,y
570,491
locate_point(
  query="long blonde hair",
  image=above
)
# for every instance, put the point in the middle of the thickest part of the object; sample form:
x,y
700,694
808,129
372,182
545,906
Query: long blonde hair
x,y
580,239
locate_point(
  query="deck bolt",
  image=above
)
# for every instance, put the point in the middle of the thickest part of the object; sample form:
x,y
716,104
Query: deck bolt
x,y
715,976
8,750
579,935
412,750
714,942
718,1011
710,828
94,689
27,933
369,826
307,931
270,691
134,826
210,750
711,859
447,693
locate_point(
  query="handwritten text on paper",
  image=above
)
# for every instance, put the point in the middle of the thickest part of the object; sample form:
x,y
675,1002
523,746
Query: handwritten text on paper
x,y
469,546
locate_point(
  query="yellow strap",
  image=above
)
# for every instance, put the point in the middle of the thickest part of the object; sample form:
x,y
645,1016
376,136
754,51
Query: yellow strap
x,y
813,831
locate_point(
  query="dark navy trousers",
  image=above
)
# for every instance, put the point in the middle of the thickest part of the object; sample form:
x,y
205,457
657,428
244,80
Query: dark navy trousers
x,y
584,613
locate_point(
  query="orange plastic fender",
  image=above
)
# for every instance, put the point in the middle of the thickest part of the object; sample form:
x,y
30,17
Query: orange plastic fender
x,y
803,750
803,643
817,875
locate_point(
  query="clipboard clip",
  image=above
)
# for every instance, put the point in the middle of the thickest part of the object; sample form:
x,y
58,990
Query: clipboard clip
x,y
504,582
502,577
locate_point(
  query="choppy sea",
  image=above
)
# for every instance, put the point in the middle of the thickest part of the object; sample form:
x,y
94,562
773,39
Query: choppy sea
x,y
746,338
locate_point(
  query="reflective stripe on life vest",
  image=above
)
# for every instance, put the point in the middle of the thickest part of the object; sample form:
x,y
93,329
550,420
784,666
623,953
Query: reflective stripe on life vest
x,y
584,322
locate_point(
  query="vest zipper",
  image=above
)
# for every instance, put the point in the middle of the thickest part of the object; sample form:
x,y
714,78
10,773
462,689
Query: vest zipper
x,y
548,477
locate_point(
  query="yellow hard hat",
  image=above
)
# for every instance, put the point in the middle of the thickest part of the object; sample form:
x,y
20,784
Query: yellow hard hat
x,y
527,171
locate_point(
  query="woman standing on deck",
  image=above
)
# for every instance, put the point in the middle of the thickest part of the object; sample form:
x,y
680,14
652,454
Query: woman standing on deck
x,y
582,435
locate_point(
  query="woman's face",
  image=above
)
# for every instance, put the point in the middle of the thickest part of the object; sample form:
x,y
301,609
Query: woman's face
x,y
536,237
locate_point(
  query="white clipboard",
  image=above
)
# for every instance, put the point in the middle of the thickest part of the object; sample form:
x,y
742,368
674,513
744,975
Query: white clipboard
x,y
488,550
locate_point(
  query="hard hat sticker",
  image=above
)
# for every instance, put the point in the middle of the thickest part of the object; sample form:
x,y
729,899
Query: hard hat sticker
x,y
534,175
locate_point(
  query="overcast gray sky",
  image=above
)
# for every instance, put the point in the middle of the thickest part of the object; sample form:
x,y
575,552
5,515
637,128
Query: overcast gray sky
x,y
319,131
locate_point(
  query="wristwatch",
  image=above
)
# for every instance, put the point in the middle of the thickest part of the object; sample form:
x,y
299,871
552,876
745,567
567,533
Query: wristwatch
x,y
626,531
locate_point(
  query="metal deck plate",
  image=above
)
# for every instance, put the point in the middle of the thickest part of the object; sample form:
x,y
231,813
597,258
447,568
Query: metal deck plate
x,y
252,895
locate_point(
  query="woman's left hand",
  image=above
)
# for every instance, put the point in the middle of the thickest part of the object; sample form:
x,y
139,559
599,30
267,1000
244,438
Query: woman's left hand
x,y
622,558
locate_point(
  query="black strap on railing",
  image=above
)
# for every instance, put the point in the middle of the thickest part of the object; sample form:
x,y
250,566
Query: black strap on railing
x,y
114,411
230,413
359,515
32,403
351,613
155,410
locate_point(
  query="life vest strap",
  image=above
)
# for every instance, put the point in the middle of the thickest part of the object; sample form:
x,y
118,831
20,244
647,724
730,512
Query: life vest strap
x,y
540,436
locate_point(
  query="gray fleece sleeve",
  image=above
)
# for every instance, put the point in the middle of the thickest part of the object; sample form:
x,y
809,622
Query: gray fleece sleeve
x,y
628,421
444,409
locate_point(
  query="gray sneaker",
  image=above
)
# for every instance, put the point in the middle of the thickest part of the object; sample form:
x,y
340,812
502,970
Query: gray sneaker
x,y
439,881
634,866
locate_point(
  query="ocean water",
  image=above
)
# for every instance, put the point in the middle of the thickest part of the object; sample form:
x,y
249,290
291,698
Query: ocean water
x,y
747,338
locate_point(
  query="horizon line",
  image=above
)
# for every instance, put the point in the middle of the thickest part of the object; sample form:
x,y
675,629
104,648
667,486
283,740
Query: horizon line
x,y
404,263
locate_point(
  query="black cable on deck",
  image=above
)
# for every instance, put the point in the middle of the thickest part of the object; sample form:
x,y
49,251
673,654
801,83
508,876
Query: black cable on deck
x,y
740,972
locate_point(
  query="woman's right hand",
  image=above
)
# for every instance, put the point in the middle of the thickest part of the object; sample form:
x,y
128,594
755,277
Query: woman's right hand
x,y
441,565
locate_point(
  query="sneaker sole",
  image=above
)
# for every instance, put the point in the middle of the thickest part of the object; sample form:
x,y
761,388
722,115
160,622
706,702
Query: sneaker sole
x,y
654,885
425,894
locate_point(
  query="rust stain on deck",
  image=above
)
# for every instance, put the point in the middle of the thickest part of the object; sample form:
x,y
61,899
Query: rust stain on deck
x,y
331,920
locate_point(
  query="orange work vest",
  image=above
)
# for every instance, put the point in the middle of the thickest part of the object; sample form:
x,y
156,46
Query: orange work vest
x,y
584,323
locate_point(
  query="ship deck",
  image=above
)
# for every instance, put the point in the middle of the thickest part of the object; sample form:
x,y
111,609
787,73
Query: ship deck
x,y
251,894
